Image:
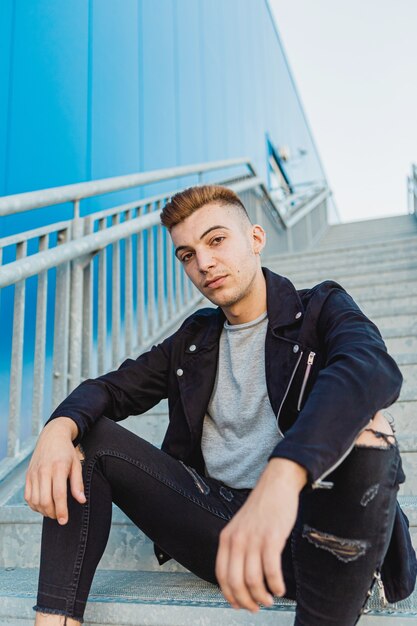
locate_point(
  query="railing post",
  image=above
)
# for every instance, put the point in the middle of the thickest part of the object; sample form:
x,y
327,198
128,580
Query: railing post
x,y
40,341
61,328
76,306
13,445
87,310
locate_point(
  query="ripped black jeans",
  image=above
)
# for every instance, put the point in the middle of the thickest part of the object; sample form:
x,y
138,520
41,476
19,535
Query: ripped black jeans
x,y
329,561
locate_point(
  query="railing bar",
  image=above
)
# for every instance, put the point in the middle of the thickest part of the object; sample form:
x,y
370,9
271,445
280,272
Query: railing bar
x,y
61,327
128,277
40,345
102,307
76,303
161,273
75,192
170,277
32,234
151,282
87,313
140,289
15,399
116,286
178,290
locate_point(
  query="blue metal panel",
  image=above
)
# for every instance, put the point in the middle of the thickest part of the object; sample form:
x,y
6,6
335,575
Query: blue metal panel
x,y
48,121
189,85
114,106
159,133
6,39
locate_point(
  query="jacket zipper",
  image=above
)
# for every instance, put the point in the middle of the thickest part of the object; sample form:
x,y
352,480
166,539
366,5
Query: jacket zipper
x,y
286,392
319,483
305,379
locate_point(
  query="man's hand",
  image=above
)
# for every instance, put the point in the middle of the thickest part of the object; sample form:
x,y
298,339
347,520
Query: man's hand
x,y
53,460
251,544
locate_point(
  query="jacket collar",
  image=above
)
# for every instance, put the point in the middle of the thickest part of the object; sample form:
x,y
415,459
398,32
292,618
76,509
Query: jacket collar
x,y
282,300
283,303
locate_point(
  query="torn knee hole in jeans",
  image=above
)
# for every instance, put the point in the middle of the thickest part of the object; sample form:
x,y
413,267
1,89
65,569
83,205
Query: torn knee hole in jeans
x,y
379,435
343,549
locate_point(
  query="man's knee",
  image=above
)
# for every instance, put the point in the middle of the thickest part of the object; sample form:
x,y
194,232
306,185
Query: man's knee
x,y
378,433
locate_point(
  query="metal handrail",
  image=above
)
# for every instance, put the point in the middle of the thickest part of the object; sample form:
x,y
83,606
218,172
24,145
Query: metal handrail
x,y
27,201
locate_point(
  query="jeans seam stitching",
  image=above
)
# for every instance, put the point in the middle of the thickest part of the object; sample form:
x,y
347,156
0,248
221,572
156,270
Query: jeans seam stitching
x,y
71,600
163,480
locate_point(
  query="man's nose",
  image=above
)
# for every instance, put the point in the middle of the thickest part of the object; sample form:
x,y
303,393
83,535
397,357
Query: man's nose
x,y
205,260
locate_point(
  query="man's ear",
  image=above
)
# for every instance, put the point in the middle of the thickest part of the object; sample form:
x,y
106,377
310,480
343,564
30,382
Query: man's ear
x,y
258,238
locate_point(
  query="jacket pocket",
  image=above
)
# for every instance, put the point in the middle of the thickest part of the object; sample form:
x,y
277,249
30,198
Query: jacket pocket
x,y
310,361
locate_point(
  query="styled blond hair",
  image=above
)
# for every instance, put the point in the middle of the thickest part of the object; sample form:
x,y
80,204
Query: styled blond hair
x,y
185,202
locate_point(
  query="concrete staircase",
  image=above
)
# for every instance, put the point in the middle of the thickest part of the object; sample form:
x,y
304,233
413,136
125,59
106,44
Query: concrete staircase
x,y
376,261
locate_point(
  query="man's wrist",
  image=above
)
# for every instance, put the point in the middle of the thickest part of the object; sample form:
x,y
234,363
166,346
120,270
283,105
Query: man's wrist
x,y
288,471
66,423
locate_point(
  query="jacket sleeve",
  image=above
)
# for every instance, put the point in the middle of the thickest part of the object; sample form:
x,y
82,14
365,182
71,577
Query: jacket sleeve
x,y
135,387
359,378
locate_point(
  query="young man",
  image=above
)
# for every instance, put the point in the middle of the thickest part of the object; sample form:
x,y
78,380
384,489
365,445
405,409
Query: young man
x,y
278,471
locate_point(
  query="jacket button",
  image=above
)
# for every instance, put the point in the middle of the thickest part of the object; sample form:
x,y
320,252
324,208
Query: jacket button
x,y
192,348
298,315
180,372
296,348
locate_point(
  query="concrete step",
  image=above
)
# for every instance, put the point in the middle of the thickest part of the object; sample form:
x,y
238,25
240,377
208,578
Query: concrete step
x,y
319,249
389,320
400,340
380,307
375,282
355,258
386,290
350,267
409,373
387,251
359,277
128,598
394,227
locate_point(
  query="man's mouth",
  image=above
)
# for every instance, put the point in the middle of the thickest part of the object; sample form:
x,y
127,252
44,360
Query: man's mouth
x,y
215,282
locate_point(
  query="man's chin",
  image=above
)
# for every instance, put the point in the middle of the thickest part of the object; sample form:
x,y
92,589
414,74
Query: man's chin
x,y
221,300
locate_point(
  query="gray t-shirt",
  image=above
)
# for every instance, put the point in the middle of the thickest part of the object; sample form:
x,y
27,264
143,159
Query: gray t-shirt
x,y
240,428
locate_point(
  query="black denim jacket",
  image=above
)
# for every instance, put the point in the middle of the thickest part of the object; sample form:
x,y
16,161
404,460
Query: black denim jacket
x,y
326,365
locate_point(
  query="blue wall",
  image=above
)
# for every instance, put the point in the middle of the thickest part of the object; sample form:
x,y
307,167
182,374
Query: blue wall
x,y
98,88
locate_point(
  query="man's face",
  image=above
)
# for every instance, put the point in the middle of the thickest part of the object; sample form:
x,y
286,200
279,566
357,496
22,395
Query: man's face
x,y
217,242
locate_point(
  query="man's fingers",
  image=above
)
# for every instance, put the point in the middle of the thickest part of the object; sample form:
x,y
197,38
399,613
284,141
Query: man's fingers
x,y
28,490
236,579
59,492
46,504
254,578
76,481
221,568
34,497
271,558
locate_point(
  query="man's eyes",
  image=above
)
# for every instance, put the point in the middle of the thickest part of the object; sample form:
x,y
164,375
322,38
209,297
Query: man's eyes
x,y
187,256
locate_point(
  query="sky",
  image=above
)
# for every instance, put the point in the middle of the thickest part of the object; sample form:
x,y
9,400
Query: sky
x,y
354,63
